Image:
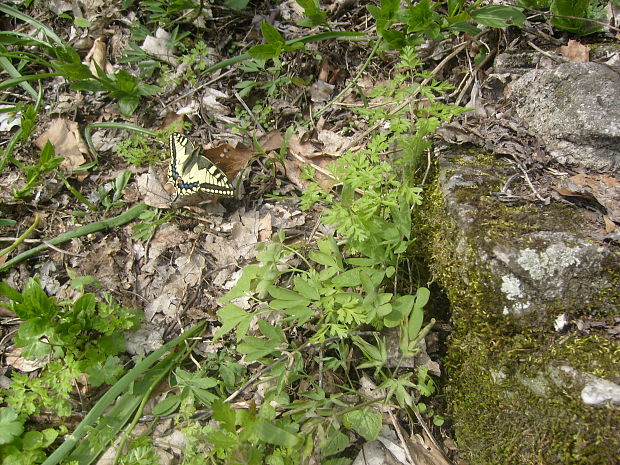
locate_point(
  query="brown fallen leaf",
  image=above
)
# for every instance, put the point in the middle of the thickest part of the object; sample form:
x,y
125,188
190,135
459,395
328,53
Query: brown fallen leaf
x,y
97,55
67,141
602,188
305,154
575,51
271,141
610,226
231,160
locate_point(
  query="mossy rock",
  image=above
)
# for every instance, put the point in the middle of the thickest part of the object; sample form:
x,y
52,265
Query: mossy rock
x,y
516,380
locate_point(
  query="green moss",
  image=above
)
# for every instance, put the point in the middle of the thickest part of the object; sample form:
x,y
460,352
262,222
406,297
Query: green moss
x,y
506,401
507,408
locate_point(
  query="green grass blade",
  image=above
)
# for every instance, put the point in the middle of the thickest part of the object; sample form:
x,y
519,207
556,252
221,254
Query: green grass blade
x,y
31,77
33,22
123,385
114,420
120,220
6,64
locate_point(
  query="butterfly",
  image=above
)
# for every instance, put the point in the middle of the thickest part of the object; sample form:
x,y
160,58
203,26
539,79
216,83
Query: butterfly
x,y
190,172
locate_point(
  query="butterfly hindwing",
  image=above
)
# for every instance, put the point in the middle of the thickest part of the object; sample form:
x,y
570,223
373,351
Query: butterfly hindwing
x,y
190,172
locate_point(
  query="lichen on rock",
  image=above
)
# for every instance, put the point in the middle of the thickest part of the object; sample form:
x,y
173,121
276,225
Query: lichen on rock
x,y
510,272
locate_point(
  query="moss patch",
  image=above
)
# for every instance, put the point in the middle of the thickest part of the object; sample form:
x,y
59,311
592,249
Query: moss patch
x,y
509,400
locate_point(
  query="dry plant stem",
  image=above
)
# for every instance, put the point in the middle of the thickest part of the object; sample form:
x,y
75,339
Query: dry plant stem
x,y
428,166
529,182
352,83
201,86
357,139
399,433
427,430
64,252
23,237
250,112
547,54
119,220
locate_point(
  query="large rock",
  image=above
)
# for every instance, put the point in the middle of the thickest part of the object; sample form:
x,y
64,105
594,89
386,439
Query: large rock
x,y
575,109
533,362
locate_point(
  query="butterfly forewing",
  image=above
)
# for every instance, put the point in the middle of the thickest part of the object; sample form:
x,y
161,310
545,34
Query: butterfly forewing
x,y
190,172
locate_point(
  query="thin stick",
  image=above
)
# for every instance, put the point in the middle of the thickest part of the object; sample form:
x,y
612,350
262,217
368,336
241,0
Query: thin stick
x,y
120,220
357,139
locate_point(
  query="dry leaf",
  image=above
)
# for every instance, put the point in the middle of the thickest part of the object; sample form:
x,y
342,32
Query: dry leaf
x,y
210,104
575,51
602,188
97,56
15,360
153,191
271,141
159,46
229,159
264,228
610,226
321,91
332,142
424,452
67,141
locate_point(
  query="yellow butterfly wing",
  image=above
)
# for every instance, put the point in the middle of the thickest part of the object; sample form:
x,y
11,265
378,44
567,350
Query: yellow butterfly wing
x,y
190,172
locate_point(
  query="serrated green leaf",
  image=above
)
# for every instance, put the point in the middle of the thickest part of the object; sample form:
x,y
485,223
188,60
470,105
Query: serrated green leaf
x,y
292,297
349,278
255,348
264,51
273,333
233,317
10,293
273,434
334,442
10,426
323,259
240,289
81,22
85,304
236,4
222,412
300,313
272,35
221,439
306,287
366,422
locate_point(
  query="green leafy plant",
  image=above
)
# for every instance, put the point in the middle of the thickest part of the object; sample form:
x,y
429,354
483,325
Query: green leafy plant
x,y
151,220
69,339
415,22
570,15
137,150
110,194
122,86
34,173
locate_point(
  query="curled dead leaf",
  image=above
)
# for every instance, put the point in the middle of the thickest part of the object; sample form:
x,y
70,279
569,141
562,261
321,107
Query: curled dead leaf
x,y
65,136
602,188
97,56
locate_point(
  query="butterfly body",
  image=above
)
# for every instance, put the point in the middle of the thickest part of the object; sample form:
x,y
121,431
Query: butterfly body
x,y
191,173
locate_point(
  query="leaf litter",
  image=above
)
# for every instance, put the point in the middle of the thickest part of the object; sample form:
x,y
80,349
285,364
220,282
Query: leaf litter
x,y
176,276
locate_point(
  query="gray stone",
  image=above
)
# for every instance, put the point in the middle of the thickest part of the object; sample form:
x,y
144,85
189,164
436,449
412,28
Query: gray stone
x,y
538,269
575,109
520,278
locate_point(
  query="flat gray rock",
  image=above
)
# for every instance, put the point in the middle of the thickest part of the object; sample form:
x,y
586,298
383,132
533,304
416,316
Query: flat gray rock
x,y
575,109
